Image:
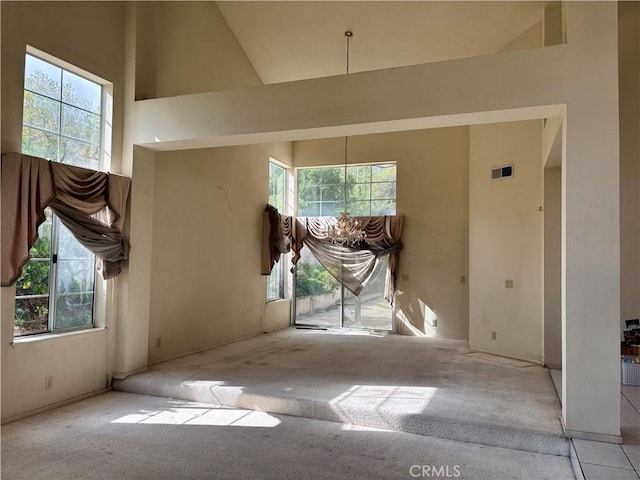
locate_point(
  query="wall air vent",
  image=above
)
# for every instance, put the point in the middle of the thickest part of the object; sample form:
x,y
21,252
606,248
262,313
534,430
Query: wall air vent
x,y
506,171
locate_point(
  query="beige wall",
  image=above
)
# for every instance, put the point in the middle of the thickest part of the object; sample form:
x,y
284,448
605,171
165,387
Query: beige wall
x,y
206,287
93,40
187,47
629,82
552,212
277,314
433,197
505,240
134,282
532,38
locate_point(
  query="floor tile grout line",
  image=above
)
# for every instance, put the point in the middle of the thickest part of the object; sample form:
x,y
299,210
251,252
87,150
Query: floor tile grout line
x,y
632,405
632,469
574,446
620,449
577,460
632,465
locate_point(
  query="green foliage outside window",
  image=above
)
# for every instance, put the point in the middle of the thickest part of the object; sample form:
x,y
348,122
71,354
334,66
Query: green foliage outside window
x,y
313,279
35,281
277,194
61,115
370,190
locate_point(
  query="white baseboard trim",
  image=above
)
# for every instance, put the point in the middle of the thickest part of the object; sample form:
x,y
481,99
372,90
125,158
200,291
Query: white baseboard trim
x,y
123,375
53,406
595,437
257,334
523,359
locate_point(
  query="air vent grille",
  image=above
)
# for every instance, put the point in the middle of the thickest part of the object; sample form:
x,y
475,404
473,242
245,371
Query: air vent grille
x,y
506,171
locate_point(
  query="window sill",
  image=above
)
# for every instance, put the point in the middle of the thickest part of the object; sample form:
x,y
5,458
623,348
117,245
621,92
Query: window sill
x,y
50,336
276,300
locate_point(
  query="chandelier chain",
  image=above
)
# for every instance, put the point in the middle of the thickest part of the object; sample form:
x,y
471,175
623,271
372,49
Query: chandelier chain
x,y
348,34
347,230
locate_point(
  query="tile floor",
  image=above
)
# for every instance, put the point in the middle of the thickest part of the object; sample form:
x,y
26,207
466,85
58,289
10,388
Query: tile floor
x,y
608,461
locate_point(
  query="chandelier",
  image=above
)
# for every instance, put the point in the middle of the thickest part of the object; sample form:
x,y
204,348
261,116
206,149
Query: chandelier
x,y
347,230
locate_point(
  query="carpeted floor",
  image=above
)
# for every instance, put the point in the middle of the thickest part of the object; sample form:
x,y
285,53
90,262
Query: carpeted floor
x,y
305,404
424,386
128,436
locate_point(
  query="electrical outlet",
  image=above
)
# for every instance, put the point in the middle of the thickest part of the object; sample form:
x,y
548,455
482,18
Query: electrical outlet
x,y
493,335
405,277
508,284
463,279
158,342
48,383
434,323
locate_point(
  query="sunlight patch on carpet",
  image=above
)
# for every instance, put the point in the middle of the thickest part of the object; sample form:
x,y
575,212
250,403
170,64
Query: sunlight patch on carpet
x,y
223,417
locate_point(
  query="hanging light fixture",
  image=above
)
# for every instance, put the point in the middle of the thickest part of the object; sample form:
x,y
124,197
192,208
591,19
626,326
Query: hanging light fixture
x,y
347,230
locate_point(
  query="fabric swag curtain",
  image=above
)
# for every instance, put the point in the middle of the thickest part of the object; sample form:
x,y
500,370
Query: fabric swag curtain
x,y
351,266
275,241
90,204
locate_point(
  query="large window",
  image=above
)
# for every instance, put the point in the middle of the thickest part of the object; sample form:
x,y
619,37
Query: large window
x,y
277,198
65,119
371,190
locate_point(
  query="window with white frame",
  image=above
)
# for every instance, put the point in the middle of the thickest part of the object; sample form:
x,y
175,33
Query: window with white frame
x,y
370,190
66,118
277,198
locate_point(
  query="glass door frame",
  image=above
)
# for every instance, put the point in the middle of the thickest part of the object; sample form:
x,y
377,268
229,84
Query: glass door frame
x,y
295,323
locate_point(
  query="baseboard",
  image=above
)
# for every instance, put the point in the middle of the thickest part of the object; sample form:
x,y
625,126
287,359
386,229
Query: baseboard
x,y
553,366
253,335
595,437
123,375
277,329
452,337
53,406
536,362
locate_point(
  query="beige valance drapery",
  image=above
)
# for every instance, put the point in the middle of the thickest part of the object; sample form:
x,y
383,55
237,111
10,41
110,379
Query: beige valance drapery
x,y
275,241
90,204
351,266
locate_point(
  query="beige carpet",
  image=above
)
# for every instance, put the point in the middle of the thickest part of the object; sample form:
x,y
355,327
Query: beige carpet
x,y
424,386
126,436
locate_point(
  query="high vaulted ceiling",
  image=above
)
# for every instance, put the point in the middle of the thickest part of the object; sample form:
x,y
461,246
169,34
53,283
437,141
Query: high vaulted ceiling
x,y
288,41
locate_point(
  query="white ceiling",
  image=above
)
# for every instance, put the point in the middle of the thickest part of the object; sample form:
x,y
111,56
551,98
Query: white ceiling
x,y
288,41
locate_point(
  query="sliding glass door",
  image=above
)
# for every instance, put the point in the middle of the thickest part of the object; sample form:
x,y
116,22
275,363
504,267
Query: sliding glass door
x,y
369,310
318,294
322,302
362,190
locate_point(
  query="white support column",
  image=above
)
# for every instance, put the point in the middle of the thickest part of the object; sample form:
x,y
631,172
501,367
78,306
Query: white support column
x,y
591,226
